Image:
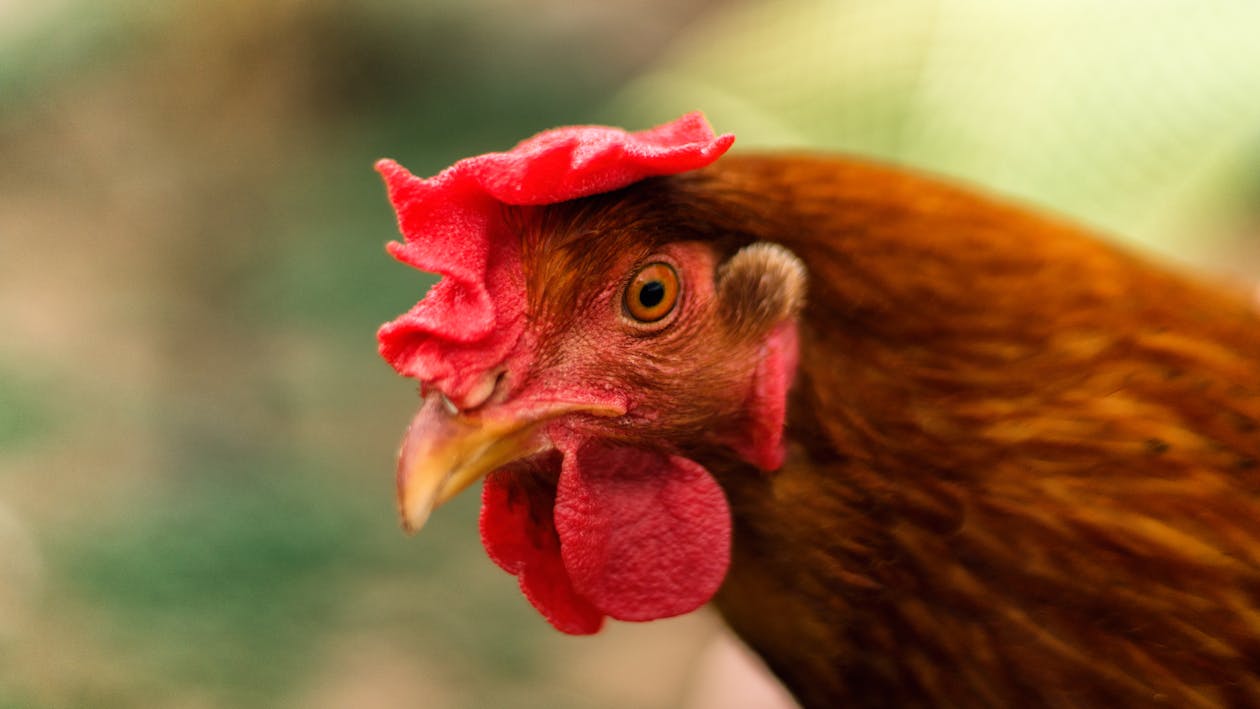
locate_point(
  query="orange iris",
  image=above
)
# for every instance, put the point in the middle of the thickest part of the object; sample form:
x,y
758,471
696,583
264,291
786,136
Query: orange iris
x,y
653,293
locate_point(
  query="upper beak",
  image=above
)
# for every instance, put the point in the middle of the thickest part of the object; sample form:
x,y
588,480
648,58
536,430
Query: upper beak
x,y
444,451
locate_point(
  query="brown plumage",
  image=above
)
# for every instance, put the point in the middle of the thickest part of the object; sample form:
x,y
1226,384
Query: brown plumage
x,y
1023,465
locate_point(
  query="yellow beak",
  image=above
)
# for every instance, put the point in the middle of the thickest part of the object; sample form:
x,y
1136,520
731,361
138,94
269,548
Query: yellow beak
x,y
445,451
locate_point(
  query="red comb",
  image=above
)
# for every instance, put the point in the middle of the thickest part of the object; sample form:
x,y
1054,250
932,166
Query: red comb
x,y
452,225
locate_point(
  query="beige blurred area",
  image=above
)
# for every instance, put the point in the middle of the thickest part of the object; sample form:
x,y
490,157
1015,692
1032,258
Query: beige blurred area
x,y
196,434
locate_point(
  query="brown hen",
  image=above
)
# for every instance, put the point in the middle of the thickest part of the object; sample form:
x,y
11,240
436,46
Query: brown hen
x,y
1022,467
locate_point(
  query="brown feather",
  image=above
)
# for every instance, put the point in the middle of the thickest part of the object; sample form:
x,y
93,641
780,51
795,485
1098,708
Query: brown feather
x,y
1025,459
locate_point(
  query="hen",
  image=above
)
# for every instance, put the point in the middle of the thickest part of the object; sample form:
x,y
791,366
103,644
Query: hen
x,y
920,447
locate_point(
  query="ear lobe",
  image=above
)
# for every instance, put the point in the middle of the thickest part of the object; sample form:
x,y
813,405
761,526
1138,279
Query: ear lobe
x,y
759,287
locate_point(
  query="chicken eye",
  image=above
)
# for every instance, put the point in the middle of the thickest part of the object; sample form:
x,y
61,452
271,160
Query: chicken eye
x,y
653,293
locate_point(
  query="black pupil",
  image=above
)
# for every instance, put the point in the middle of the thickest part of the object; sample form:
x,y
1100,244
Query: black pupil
x,y
652,293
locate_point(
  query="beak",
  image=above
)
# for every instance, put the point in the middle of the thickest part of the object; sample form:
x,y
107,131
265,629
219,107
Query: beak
x,y
444,451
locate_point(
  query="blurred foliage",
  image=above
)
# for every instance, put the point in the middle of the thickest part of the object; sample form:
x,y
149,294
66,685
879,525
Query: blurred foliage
x,y
1139,118
222,577
231,579
25,415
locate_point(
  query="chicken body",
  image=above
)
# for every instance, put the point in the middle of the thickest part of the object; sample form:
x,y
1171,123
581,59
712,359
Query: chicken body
x,y
1023,466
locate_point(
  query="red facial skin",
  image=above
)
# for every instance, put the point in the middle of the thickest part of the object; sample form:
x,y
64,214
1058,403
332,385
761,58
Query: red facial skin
x,y
621,524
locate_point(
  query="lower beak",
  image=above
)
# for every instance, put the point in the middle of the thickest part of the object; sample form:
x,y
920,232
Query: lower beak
x,y
444,452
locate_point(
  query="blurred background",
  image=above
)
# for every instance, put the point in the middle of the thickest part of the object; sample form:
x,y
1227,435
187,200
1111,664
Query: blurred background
x,y
196,434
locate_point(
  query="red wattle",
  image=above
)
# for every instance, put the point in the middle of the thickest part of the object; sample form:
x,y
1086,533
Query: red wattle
x,y
519,535
643,535
633,534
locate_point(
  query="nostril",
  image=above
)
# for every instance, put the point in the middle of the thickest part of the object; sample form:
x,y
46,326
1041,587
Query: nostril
x,y
499,392
449,405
